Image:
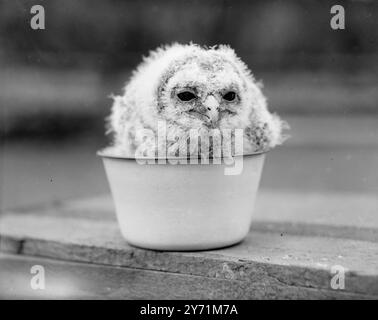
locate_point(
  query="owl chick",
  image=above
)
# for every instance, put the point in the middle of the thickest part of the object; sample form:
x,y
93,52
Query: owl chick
x,y
192,88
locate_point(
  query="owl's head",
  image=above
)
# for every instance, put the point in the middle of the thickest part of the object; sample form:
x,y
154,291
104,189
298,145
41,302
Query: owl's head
x,y
194,87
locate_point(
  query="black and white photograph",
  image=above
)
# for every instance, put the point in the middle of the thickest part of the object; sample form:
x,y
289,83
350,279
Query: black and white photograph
x,y
189,154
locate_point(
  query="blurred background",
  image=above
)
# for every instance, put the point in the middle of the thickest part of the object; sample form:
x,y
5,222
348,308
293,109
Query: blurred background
x,y
55,86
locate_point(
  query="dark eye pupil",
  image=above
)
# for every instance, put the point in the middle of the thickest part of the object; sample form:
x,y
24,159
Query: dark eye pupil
x,y
186,96
229,96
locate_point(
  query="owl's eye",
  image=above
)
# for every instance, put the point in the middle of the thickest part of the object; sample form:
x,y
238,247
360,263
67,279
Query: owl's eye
x,y
186,96
229,96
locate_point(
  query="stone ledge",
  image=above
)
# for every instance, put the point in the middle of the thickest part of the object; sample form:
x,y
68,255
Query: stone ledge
x,y
72,280
302,259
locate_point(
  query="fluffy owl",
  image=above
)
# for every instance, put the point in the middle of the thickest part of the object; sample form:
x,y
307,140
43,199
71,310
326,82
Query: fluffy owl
x,y
192,88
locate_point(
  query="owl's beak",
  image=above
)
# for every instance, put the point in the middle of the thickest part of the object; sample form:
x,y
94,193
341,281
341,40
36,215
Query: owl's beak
x,y
212,108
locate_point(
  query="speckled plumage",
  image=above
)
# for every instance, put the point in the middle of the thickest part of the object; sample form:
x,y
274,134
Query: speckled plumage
x,y
209,74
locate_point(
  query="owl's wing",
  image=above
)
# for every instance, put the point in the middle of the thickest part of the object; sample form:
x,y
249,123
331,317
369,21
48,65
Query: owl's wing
x,y
121,122
265,130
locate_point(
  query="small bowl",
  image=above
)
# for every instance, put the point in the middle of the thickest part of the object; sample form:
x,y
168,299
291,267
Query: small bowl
x,y
184,207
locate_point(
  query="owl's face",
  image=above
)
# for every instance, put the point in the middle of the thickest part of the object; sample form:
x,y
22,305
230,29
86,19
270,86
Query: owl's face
x,y
203,92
